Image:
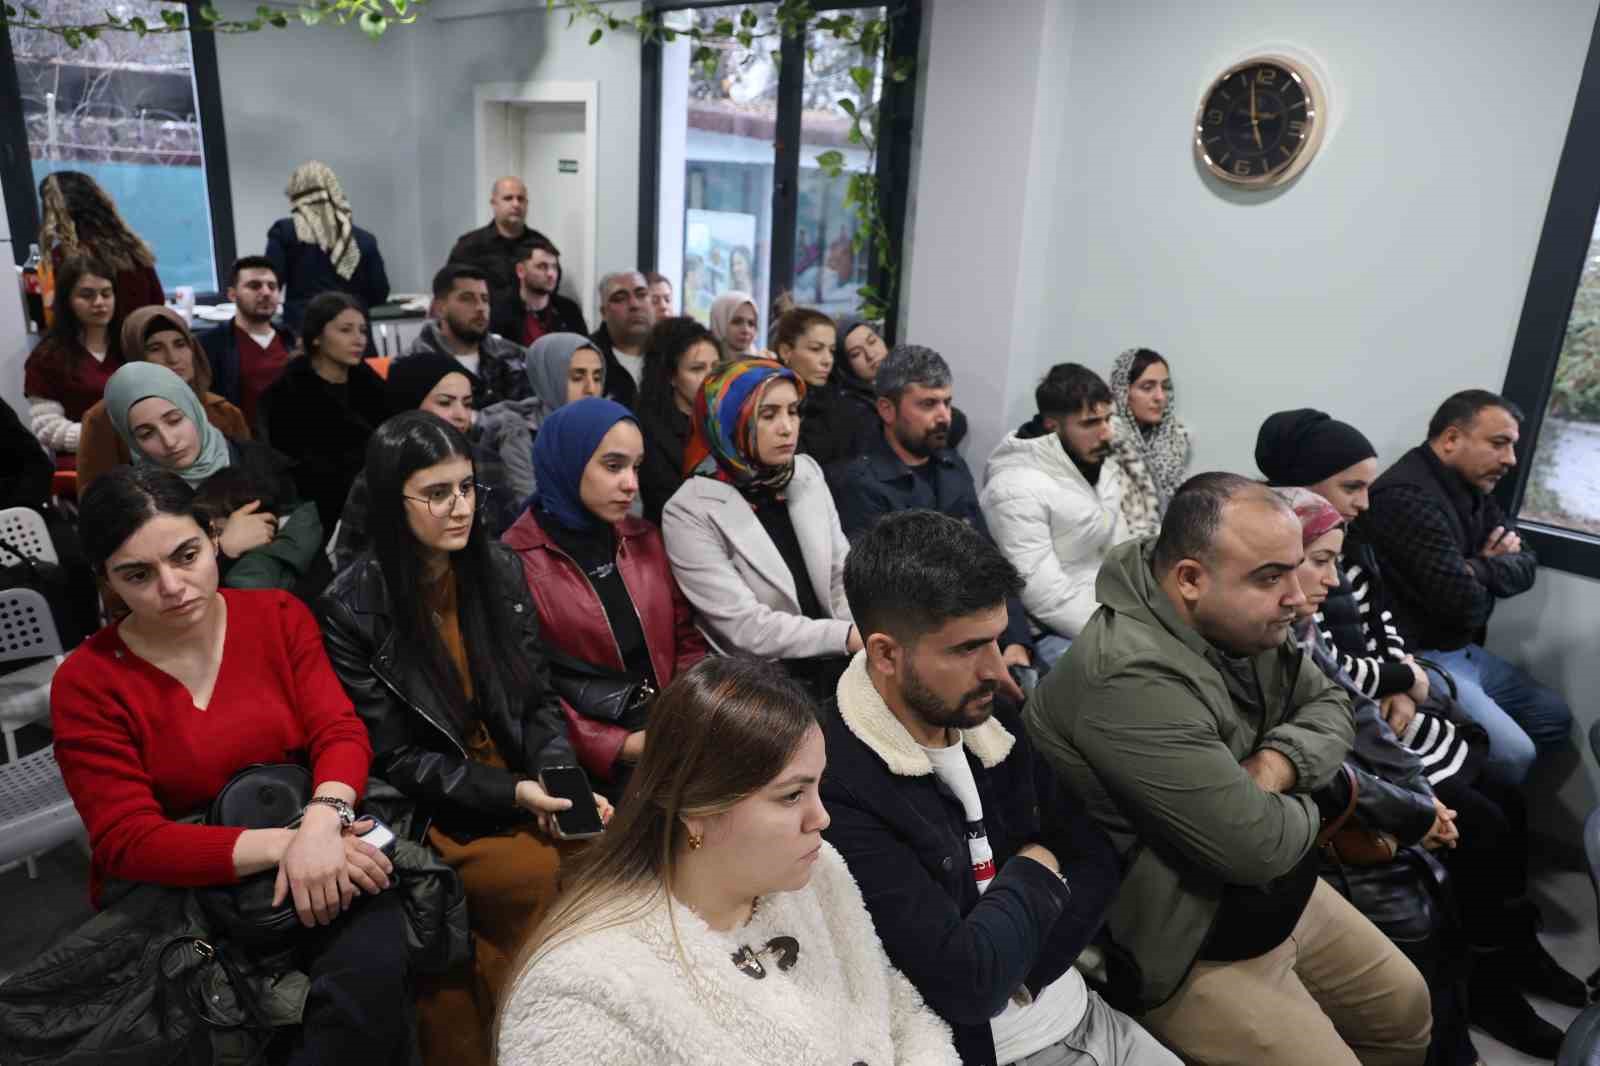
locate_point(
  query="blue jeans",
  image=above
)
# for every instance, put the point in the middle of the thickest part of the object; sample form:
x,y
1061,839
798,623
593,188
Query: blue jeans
x,y
1047,648
1523,717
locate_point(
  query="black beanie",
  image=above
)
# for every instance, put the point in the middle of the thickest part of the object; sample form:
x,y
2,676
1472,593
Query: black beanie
x,y
1303,447
412,377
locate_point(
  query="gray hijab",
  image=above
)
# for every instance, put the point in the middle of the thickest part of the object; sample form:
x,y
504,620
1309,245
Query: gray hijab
x,y
549,359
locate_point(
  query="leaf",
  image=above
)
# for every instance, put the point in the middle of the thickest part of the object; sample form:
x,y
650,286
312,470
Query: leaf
x,y
722,28
138,26
373,24
848,106
745,38
400,6
209,14
862,76
594,38
310,16
279,19
669,35
831,162
903,69
72,36
748,18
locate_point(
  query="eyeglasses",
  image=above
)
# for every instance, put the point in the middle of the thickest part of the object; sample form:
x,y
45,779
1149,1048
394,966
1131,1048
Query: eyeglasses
x,y
441,499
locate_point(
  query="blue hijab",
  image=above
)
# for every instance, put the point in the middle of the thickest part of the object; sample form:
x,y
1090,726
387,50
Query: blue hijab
x,y
565,444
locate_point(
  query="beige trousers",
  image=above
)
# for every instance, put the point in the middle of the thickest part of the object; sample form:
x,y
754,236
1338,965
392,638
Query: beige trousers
x,y
1335,993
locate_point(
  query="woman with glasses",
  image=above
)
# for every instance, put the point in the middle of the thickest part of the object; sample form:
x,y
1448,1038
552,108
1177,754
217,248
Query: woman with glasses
x,y
436,639
606,597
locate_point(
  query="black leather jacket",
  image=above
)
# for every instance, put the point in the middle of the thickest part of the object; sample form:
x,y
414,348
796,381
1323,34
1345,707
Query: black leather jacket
x,y
417,745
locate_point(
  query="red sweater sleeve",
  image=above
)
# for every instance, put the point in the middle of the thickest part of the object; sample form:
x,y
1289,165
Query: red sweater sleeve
x,y
337,740
95,744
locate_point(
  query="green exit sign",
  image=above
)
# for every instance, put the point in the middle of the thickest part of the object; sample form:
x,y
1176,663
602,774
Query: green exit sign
x,y
566,166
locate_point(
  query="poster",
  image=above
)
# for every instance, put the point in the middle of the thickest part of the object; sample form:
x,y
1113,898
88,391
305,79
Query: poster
x,y
718,255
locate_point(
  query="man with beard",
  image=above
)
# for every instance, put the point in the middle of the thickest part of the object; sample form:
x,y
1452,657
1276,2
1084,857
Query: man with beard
x,y
910,465
539,309
1209,748
460,329
625,307
984,877
1448,554
1054,504
249,353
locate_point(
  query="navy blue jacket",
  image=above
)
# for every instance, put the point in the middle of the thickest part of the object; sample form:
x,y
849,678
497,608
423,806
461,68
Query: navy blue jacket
x,y
904,839
306,271
221,344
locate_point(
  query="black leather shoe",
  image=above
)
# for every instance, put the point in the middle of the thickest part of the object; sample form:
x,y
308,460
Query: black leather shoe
x,y
1499,1010
1532,967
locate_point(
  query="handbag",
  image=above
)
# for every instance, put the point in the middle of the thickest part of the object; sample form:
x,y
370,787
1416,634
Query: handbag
x,y
604,695
257,797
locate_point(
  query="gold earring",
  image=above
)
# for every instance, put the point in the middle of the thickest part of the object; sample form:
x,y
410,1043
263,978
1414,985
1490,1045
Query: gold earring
x,y
695,841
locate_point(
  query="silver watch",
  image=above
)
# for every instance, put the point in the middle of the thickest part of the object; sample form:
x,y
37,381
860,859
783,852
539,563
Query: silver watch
x,y
347,813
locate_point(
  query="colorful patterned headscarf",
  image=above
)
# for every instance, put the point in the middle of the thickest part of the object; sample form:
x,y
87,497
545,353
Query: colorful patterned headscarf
x,y
723,444
1317,516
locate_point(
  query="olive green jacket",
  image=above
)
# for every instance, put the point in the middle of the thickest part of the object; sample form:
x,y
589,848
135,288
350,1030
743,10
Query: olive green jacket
x,y
1138,720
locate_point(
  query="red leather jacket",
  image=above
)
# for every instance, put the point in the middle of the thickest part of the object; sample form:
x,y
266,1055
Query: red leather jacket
x,y
572,619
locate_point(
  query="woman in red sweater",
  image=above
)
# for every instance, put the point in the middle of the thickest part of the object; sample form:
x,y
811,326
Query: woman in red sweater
x,y
155,714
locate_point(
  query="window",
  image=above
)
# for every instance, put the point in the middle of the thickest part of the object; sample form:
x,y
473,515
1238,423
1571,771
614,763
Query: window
x,y
126,111
1555,363
735,198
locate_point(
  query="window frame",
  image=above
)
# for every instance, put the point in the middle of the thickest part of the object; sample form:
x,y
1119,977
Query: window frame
x,y
896,118
16,169
1564,240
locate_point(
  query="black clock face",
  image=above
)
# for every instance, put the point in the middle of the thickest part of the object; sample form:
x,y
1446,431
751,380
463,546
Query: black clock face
x,y
1255,122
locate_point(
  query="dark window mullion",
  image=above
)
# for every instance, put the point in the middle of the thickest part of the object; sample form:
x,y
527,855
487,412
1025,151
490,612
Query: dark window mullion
x,y
214,146
786,168
896,115
16,162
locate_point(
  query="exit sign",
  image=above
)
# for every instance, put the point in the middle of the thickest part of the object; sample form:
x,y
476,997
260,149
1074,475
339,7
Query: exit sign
x,y
566,166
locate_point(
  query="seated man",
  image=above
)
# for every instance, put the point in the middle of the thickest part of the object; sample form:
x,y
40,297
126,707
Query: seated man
x,y
1447,555
460,328
538,309
625,308
660,295
249,353
984,878
909,464
1196,730
1054,504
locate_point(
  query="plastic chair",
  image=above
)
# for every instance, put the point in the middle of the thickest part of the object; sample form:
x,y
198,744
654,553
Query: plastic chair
x,y
1581,1047
36,812
27,631
25,528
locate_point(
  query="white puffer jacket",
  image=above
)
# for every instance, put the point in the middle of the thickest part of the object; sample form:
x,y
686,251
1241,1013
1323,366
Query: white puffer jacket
x,y
1053,525
624,997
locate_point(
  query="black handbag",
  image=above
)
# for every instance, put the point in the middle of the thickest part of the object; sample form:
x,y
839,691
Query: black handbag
x,y
601,694
49,581
257,797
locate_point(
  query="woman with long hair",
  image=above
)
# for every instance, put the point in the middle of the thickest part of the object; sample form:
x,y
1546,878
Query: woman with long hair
x,y
154,715
324,408
1151,443
154,335
436,639
67,373
319,248
80,218
803,340
712,923
607,600
677,358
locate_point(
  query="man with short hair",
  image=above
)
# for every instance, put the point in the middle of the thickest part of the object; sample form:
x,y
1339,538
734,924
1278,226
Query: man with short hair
x,y
460,328
984,877
249,353
1209,748
909,464
625,307
539,308
660,295
1448,554
498,247
1054,504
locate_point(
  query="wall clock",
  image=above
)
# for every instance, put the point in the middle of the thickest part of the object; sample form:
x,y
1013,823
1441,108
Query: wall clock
x,y
1260,122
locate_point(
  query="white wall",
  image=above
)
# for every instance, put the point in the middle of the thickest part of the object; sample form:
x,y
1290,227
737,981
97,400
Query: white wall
x,y
394,120
1391,273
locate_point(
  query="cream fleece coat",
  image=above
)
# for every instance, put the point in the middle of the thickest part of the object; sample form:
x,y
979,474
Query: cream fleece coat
x,y
622,996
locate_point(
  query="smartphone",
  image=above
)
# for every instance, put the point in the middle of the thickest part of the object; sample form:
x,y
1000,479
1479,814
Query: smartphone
x,y
582,819
379,836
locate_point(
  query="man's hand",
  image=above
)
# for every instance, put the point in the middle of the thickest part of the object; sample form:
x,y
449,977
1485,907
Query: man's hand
x,y
1501,542
1398,710
1271,770
1444,833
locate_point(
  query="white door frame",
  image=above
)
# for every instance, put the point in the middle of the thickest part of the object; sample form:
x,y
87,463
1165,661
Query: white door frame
x,y
586,93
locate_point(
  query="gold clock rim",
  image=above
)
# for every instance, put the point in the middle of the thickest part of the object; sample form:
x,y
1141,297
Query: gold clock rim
x,y
1316,109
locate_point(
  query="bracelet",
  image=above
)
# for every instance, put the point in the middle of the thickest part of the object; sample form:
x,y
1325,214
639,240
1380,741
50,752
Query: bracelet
x,y
346,813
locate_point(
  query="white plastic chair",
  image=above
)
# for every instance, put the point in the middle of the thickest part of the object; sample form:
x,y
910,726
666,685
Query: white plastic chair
x,y
36,812
27,631
25,528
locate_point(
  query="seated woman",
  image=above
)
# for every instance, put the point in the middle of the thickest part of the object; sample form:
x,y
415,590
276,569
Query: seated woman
x,y
712,924
66,374
327,403
436,639
601,580
1151,443
153,716
736,323
754,537
154,335
160,422
677,358
858,349
803,340
502,450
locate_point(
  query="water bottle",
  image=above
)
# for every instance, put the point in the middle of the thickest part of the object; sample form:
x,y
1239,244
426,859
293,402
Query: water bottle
x,y
32,290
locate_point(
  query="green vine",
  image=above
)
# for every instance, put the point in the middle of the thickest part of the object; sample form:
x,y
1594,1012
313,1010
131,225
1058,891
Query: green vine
x,y
373,17
870,36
